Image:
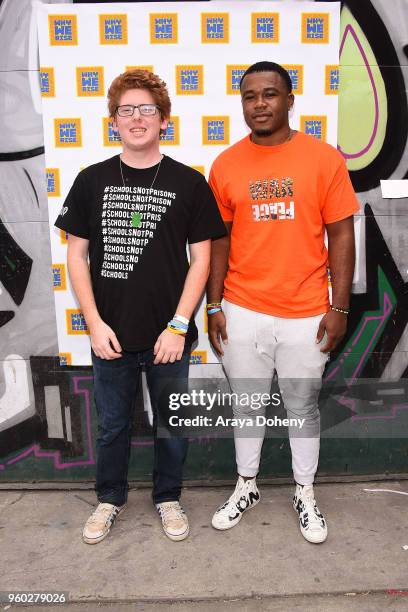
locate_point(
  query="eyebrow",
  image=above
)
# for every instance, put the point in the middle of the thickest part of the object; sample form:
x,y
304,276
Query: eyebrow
x,y
271,88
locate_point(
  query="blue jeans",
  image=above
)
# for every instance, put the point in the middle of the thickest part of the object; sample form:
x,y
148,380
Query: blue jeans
x,y
115,385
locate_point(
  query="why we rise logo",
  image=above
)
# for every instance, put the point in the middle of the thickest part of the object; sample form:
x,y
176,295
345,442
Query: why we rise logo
x,y
332,80
65,359
172,134
215,130
59,276
296,76
68,132
314,125
265,27
189,80
63,30
163,28
113,29
52,178
215,28
90,81
47,82
111,137
75,322
234,76
315,28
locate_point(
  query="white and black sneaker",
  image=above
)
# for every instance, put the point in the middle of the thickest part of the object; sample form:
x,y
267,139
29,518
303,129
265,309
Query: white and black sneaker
x,y
245,496
311,521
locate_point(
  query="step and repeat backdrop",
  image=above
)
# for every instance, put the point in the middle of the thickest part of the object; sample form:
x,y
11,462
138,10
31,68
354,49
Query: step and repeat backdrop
x,y
201,51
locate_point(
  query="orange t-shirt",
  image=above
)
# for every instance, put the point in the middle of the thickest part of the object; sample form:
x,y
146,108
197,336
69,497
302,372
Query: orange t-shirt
x,y
279,199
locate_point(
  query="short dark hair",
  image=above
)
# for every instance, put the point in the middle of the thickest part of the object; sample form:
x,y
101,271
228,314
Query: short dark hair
x,y
269,67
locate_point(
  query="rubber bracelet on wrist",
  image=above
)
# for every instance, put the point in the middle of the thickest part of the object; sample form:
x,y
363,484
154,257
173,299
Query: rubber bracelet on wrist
x,y
345,311
211,311
213,307
182,319
177,325
178,332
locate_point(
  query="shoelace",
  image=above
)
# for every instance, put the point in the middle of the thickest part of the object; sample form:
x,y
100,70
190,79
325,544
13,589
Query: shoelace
x,y
235,497
174,510
311,509
95,516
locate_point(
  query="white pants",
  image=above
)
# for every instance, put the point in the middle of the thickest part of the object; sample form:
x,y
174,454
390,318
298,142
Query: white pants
x,y
259,344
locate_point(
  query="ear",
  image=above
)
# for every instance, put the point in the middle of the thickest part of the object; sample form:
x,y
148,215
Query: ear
x,y
114,122
164,123
291,101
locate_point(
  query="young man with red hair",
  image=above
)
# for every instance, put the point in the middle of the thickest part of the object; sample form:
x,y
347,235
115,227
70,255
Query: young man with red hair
x,y
133,215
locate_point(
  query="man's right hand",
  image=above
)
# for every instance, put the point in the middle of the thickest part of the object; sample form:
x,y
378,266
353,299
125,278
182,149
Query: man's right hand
x,y
103,338
217,331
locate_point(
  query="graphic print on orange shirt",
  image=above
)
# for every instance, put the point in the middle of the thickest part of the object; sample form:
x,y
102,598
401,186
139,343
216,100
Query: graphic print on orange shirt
x,y
272,189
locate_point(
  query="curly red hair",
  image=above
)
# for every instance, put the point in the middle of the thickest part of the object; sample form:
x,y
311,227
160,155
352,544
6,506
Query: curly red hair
x,y
139,79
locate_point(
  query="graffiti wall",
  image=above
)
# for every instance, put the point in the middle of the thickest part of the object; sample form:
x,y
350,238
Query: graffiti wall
x,y
47,419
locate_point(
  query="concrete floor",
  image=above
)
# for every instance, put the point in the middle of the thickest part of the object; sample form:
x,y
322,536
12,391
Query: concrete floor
x,y
262,564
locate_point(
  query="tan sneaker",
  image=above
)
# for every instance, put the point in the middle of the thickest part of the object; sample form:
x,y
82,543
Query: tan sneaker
x,y
99,523
174,520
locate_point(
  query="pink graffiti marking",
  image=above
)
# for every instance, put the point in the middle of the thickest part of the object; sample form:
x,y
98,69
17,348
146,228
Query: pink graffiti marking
x,y
350,30
141,442
56,455
351,403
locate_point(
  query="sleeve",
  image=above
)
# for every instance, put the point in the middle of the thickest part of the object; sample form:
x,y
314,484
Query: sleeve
x,y
74,214
205,220
224,206
340,201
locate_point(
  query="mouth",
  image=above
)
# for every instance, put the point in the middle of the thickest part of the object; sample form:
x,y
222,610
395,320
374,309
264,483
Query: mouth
x,y
263,116
138,130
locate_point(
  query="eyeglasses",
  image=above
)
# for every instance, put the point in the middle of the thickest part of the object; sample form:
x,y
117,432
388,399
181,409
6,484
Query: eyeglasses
x,y
127,110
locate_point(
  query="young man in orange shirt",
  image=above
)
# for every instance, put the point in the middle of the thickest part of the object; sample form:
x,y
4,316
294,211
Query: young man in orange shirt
x,y
278,190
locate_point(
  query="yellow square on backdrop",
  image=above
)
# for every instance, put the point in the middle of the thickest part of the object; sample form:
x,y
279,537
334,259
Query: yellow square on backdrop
x,y
52,177
215,130
113,29
234,75
163,28
215,28
314,125
265,27
189,80
315,28
90,81
68,132
47,82
172,135
332,80
63,30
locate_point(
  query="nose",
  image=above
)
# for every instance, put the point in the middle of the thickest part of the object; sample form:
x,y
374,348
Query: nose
x,y
260,102
136,114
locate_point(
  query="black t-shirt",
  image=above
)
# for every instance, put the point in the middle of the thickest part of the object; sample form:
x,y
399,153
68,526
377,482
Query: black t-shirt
x,y
137,241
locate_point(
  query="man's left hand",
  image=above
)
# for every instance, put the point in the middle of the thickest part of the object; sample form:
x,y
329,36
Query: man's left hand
x,y
335,325
168,348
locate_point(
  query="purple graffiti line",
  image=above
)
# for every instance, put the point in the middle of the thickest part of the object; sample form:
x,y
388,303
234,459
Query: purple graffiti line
x,y
142,442
350,30
351,403
56,455
381,318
